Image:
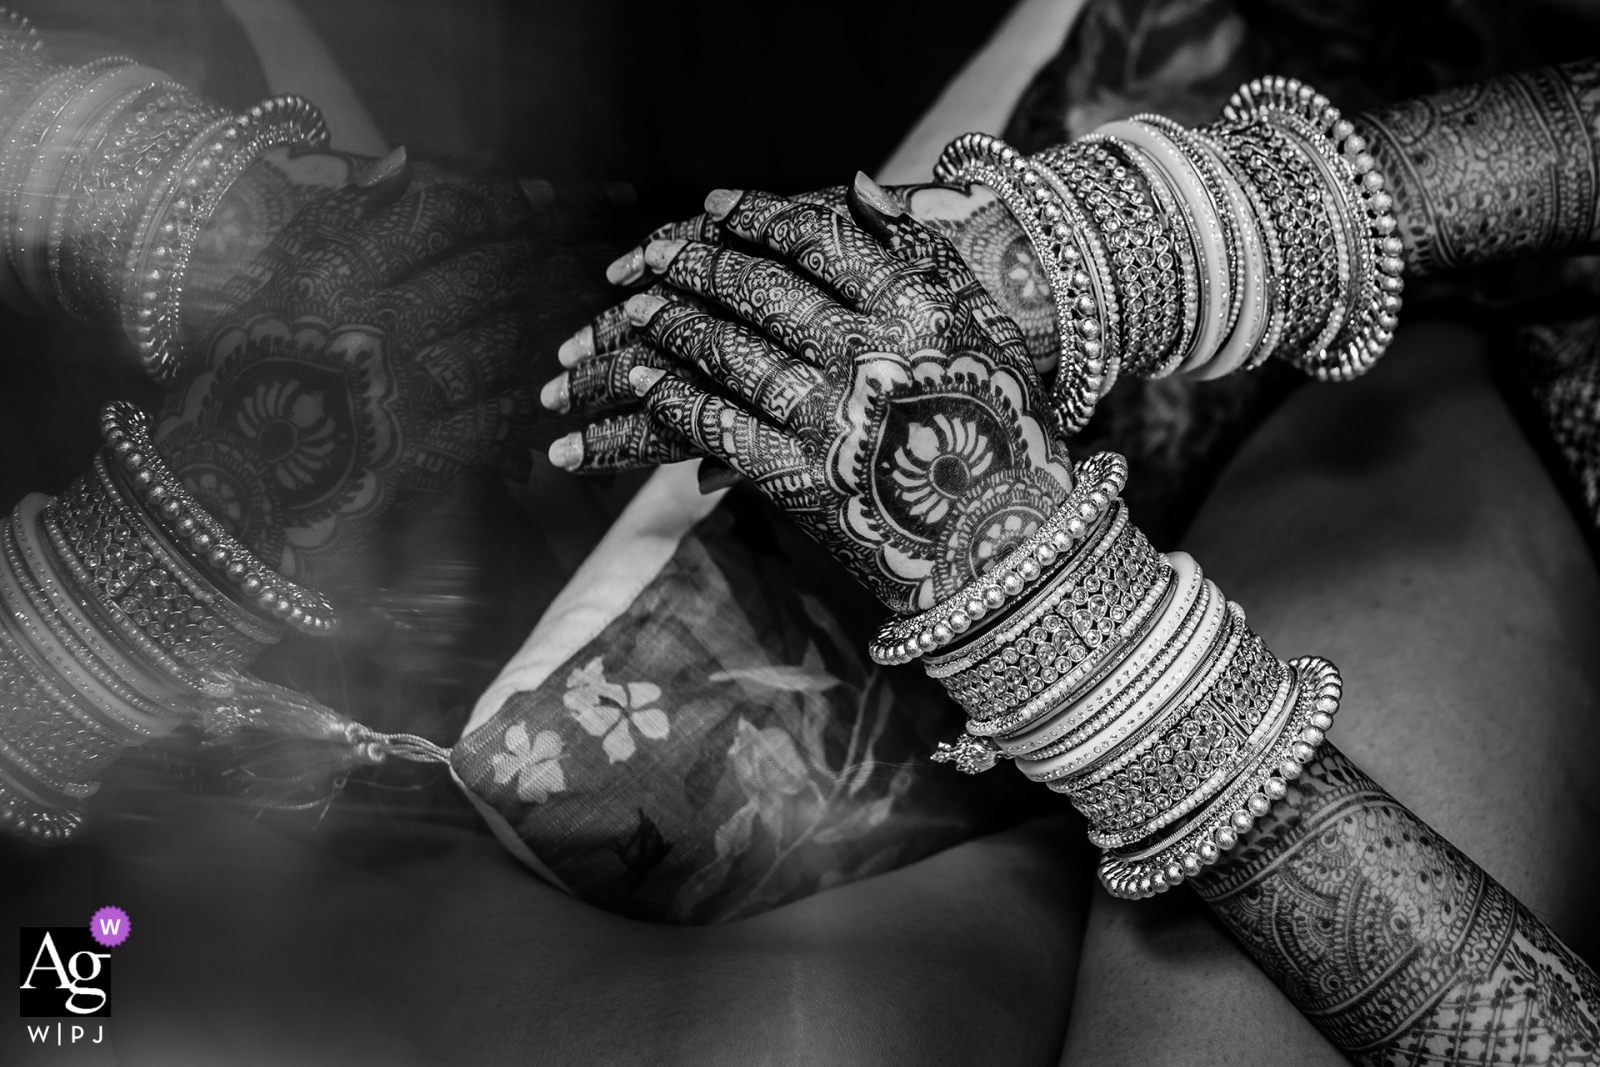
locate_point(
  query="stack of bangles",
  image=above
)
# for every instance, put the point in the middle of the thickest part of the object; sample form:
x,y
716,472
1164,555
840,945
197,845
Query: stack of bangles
x,y
1123,678
126,609
108,173
1267,233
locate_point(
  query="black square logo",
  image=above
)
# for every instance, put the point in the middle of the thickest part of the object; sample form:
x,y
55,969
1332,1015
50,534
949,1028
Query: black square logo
x,y
65,973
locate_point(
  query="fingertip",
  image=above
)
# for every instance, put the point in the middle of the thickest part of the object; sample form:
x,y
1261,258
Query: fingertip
x,y
557,393
642,307
720,202
385,168
660,253
577,347
626,268
643,379
567,452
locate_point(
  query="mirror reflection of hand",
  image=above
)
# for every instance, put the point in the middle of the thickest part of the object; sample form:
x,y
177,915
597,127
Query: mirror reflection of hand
x,y
381,352
860,377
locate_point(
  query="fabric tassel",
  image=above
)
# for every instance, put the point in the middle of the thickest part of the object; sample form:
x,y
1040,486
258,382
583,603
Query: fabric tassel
x,y
293,752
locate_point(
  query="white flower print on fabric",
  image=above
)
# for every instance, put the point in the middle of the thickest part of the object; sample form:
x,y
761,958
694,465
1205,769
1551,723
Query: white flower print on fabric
x,y
939,463
535,763
612,711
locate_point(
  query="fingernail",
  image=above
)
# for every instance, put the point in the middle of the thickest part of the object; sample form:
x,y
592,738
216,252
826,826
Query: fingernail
x,y
539,192
721,201
387,167
643,379
658,254
579,346
627,268
557,393
567,452
642,307
877,196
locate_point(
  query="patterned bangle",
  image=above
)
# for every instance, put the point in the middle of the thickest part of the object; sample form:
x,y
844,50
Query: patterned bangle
x,y
1274,280
153,587
1249,273
1371,327
1140,250
1158,866
158,257
199,536
1097,482
1034,667
1250,678
1069,252
1120,725
1152,659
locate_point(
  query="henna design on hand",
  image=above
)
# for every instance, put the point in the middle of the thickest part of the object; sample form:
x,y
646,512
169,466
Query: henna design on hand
x,y
1396,946
879,395
1495,170
977,224
381,352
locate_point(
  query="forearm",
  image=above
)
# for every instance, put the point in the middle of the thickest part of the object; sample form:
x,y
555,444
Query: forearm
x,y
1500,169
1394,944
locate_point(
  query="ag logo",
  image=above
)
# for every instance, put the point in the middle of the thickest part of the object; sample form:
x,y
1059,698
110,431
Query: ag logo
x,y
65,972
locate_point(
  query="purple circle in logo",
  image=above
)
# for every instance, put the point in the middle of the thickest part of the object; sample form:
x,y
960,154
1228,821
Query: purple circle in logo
x,y
109,926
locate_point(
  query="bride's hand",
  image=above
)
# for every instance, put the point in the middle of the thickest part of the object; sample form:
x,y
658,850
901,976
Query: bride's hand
x,y
382,351
878,393
600,356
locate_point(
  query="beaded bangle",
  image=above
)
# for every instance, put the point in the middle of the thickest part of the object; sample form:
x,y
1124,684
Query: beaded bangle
x,y
1373,320
201,537
1097,482
159,257
1063,241
1201,841
25,813
1140,250
1184,238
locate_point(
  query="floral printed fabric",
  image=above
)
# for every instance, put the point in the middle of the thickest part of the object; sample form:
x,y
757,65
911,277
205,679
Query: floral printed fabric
x,y
723,746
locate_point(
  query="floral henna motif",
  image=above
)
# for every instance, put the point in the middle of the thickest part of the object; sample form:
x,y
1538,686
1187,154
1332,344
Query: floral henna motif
x,y
1399,948
381,354
901,425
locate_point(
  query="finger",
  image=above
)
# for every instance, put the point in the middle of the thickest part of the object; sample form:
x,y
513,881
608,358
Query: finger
x,y
765,294
827,245
764,454
611,330
600,383
625,442
479,361
468,436
462,288
629,268
427,223
784,390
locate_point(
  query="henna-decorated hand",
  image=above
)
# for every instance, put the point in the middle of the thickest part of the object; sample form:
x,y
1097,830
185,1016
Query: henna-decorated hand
x,y
381,351
981,231
879,394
